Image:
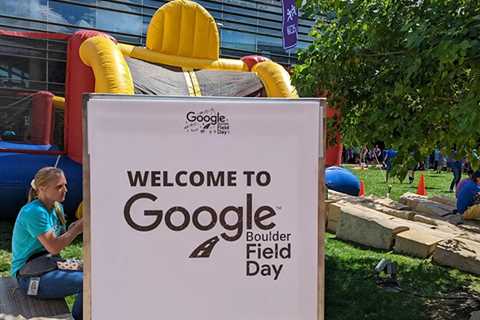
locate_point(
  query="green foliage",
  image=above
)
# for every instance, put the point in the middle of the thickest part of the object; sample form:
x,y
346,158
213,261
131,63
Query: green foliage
x,y
405,72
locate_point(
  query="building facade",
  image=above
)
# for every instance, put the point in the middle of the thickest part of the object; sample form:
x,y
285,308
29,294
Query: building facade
x,y
245,27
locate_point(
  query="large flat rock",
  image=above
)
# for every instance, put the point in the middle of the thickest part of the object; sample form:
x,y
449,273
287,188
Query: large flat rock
x,y
402,214
389,203
384,205
419,241
422,204
368,227
444,200
334,210
458,253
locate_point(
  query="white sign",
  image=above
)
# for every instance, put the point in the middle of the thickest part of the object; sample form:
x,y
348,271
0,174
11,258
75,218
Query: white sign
x,y
203,208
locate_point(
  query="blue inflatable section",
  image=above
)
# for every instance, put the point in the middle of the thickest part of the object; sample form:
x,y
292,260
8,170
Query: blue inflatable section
x,y
17,171
25,146
342,180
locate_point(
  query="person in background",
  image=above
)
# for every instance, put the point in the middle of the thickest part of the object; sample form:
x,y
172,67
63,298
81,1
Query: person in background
x,y
40,230
456,166
388,156
437,160
377,154
363,157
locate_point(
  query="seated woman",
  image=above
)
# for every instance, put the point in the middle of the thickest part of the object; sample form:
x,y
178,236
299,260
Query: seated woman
x,y
40,230
468,203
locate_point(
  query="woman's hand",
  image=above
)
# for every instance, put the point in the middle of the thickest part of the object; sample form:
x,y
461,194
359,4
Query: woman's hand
x,y
76,227
54,244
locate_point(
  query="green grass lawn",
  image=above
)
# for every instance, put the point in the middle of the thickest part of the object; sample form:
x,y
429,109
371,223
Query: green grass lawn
x,y
351,292
374,181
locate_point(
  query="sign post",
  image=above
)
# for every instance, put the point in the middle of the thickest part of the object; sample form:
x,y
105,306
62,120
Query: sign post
x,y
203,208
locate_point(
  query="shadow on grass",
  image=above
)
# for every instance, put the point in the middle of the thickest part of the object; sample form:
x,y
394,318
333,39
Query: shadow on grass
x,y
351,292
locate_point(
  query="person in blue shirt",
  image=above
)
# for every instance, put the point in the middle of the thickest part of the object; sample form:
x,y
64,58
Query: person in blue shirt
x,y
467,195
40,229
388,156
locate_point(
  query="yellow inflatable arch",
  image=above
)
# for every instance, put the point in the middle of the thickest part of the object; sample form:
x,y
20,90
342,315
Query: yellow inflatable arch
x,y
181,34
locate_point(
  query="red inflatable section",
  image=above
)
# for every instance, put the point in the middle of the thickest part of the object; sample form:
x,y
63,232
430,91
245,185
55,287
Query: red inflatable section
x,y
252,60
79,80
43,118
333,156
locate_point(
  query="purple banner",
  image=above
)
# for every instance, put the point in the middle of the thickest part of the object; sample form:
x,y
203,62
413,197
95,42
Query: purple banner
x,y
289,24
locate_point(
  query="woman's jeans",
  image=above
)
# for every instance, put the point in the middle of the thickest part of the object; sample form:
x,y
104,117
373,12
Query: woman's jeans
x,y
59,284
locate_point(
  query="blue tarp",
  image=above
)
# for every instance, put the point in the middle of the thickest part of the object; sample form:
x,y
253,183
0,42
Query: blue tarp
x,y
342,180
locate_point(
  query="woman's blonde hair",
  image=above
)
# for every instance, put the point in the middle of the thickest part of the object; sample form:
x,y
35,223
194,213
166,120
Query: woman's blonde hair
x,y
42,178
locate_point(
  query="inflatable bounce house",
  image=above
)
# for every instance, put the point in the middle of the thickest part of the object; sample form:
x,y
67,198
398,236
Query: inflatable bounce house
x,y
181,57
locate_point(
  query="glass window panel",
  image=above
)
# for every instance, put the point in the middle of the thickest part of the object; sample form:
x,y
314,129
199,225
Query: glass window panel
x,y
274,9
62,29
304,37
69,14
146,21
270,44
14,46
148,12
22,25
118,6
57,45
229,53
236,18
276,25
56,89
19,72
252,12
306,22
239,27
153,3
135,40
54,55
217,15
271,16
241,3
272,32
119,22
285,60
304,30
238,40
32,9
56,71
87,1
209,4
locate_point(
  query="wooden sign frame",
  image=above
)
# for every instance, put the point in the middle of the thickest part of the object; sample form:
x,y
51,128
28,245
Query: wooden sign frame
x,y
87,217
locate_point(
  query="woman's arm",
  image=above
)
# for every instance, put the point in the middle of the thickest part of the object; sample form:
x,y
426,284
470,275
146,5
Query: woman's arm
x,y
54,244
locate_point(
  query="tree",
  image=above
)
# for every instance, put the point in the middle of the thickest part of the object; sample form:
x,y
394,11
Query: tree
x,y
406,72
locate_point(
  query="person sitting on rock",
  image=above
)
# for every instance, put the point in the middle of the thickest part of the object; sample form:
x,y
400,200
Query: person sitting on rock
x,y
468,197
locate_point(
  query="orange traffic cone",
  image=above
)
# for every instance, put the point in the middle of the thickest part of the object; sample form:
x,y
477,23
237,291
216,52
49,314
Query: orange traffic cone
x,y
421,190
361,193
